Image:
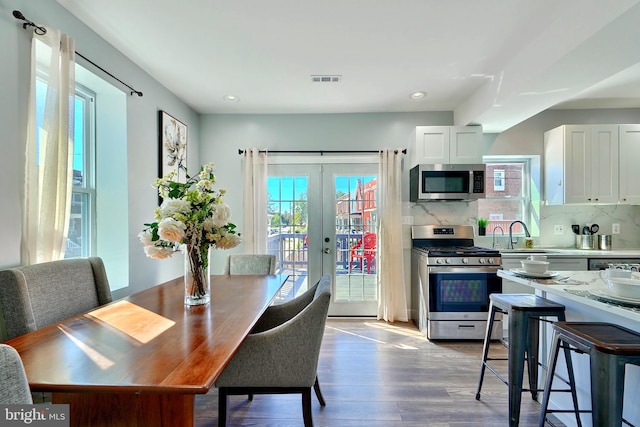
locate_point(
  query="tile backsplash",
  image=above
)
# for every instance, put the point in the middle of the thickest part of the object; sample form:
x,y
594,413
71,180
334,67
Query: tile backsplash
x,y
604,215
465,213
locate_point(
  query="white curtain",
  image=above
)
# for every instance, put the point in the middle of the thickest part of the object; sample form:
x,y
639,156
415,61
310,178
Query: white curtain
x,y
392,303
49,152
254,228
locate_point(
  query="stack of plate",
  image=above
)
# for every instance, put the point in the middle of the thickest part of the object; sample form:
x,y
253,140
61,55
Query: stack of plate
x,y
545,275
607,294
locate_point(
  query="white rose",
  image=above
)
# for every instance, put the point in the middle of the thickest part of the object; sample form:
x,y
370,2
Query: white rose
x,y
158,252
221,215
171,230
229,241
207,225
145,238
171,207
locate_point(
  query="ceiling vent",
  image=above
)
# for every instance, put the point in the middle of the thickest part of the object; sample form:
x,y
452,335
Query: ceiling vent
x,y
326,79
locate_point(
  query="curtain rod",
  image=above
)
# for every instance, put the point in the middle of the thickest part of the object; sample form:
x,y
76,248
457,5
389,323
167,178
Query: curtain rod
x,y
322,152
39,30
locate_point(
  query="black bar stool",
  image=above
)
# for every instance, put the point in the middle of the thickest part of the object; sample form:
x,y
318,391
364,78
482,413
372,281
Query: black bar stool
x,y
524,311
610,347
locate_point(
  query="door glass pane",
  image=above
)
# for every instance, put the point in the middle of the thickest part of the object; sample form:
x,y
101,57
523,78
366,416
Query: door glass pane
x,y
356,239
287,217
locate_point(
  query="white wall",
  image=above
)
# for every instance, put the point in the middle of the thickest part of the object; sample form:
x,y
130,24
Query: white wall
x,y
220,136
142,132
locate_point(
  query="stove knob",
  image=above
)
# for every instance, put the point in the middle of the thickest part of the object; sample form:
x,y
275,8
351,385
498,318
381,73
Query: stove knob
x,y
448,260
492,261
482,260
439,261
465,260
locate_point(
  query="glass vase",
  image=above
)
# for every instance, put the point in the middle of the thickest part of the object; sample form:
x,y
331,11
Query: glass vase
x,y
197,278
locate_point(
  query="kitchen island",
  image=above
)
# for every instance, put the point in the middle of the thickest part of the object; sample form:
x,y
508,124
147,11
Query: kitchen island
x,y
584,295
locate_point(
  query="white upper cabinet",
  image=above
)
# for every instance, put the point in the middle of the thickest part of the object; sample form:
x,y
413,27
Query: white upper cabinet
x,y
630,164
446,145
581,164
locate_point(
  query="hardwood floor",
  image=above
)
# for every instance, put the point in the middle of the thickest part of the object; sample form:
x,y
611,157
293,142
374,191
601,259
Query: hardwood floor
x,y
375,374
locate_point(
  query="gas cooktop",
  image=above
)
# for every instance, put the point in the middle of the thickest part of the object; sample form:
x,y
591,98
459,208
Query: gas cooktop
x,y
456,250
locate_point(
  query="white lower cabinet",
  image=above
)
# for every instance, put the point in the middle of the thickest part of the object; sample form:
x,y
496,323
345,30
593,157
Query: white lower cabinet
x,y
555,264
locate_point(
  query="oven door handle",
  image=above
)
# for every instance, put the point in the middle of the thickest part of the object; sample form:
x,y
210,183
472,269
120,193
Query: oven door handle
x,y
458,270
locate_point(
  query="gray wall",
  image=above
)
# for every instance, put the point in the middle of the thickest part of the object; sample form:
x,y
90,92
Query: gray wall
x,y
142,131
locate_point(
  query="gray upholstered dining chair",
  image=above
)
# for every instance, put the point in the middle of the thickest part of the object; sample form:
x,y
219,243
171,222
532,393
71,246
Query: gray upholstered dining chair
x,y
14,388
250,264
38,295
281,353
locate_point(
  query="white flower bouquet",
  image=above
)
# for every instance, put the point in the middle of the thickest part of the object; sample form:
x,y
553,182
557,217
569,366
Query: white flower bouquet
x,y
192,214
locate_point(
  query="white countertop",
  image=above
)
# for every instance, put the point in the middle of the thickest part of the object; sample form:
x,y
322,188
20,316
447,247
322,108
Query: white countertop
x,y
576,286
616,253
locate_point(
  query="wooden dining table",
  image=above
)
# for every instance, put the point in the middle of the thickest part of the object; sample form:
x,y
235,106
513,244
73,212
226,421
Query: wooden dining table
x,y
141,360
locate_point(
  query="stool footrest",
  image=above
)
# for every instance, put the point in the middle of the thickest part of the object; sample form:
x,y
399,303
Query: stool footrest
x,y
500,377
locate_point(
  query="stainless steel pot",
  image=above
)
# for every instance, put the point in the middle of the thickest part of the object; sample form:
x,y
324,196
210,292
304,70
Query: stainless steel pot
x,y
604,242
585,241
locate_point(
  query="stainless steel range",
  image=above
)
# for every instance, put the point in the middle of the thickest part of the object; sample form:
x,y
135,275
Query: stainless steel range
x,y
451,280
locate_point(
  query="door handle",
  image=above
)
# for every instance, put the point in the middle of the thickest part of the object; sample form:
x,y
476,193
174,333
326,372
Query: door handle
x,y
327,250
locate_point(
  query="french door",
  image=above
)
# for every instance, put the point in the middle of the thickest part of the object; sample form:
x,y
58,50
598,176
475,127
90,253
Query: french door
x,y
323,220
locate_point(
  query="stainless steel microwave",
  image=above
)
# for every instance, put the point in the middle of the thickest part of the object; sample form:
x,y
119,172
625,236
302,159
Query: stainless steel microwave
x,y
447,182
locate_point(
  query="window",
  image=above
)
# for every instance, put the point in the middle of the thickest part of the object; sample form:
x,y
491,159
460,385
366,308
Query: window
x,y
498,180
509,182
100,171
81,224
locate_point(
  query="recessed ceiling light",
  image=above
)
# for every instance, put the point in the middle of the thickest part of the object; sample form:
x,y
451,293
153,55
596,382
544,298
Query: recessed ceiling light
x,y
418,95
231,98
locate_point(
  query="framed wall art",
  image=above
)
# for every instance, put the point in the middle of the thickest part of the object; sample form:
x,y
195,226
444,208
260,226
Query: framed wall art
x,y
173,146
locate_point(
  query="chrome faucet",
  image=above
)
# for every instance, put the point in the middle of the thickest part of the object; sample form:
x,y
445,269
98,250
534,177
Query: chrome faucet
x,y
526,232
493,245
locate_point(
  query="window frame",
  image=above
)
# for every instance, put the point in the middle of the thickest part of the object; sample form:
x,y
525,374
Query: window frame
x,y
88,187
526,199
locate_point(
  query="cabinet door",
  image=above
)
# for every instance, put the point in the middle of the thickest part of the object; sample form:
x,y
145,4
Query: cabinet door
x,y
431,145
629,164
465,144
555,264
604,163
567,264
577,140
